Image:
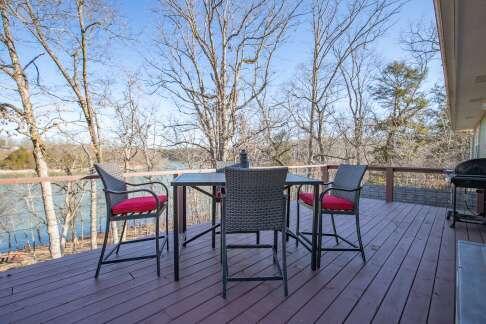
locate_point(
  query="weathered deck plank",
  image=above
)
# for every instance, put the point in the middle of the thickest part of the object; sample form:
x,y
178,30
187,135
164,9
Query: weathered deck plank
x,y
408,277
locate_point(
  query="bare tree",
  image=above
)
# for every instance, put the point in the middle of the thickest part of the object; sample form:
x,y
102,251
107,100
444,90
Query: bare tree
x,y
69,161
445,146
7,219
135,125
214,60
357,73
127,126
421,41
23,115
275,144
339,28
68,47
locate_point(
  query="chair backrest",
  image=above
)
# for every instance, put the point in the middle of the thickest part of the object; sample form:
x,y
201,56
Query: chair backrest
x,y
348,177
112,179
254,199
222,169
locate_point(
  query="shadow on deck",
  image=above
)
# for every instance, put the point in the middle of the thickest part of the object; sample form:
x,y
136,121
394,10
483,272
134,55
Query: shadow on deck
x,y
409,277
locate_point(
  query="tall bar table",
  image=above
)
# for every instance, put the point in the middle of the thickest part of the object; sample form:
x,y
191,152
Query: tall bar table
x,y
214,179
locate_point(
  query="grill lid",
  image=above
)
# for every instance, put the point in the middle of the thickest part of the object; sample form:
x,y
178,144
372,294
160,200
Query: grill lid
x,y
474,167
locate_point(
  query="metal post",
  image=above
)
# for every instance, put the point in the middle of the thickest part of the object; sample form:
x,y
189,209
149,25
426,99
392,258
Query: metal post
x,y
183,215
213,218
315,223
325,173
389,179
176,234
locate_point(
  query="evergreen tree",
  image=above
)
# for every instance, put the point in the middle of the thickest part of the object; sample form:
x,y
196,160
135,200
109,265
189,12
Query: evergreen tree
x,y
398,91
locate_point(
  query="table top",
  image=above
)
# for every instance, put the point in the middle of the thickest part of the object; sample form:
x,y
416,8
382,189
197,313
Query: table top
x,y
218,179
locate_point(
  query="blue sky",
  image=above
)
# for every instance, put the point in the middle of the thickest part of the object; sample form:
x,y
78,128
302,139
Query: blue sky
x,y
139,18
297,49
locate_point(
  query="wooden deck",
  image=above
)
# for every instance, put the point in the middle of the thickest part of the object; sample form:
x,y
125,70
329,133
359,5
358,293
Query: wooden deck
x,y
409,277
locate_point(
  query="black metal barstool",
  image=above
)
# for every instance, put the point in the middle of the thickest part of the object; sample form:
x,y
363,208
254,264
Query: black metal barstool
x,y
119,207
339,197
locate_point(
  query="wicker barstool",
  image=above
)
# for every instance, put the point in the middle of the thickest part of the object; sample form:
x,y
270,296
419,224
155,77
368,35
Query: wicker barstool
x,y
339,197
254,201
121,208
216,196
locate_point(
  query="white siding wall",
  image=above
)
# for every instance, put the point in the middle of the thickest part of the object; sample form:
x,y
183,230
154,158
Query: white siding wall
x,y
479,142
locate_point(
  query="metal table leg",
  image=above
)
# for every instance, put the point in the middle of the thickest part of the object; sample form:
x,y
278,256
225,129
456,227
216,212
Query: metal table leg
x,y
454,206
288,210
213,218
315,222
176,234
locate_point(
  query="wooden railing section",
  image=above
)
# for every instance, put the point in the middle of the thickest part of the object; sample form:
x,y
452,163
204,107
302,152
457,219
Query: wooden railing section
x,y
324,170
389,172
389,175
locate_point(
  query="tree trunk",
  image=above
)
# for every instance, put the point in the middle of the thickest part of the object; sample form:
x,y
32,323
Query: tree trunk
x,y
114,232
28,117
68,218
93,223
51,220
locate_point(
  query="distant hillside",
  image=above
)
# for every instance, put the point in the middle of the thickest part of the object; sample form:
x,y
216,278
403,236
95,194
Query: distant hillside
x,y
18,159
72,159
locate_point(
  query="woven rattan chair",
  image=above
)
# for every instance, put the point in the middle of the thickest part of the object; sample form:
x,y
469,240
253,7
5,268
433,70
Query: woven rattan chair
x,y
216,197
119,207
253,202
340,197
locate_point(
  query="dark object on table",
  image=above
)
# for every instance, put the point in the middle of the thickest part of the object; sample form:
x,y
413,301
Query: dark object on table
x,y
119,207
244,162
340,197
254,201
468,174
470,282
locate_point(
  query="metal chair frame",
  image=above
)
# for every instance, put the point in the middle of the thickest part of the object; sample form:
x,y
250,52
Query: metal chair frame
x,y
110,217
355,211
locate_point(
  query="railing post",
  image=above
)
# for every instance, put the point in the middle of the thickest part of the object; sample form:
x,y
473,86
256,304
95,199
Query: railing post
x,y
180,207
325,173
389,184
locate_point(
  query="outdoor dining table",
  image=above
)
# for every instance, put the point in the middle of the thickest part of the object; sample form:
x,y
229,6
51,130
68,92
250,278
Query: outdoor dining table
x,y
217,179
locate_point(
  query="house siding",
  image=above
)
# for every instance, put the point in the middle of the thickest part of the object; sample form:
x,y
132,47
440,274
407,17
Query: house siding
x,y
479,141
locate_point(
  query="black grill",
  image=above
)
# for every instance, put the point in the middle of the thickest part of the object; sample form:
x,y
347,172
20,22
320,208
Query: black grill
x,y
470,174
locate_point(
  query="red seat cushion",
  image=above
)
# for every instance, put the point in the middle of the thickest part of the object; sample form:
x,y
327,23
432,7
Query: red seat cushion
x,y
137,204
328,201
219,194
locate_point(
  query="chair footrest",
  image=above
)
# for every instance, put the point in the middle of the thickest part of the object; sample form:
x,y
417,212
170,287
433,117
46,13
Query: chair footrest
x,y
151,256
142,239
164,242
249,246
255,278
334,235
340,249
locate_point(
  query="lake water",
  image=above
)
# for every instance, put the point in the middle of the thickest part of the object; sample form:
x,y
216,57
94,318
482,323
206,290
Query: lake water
x,y
22,220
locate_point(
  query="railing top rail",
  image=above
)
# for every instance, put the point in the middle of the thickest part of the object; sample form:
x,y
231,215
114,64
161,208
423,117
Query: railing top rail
x,y
56,179
397,168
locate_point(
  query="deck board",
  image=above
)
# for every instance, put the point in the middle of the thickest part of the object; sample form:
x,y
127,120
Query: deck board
x,y
408,277
418,299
